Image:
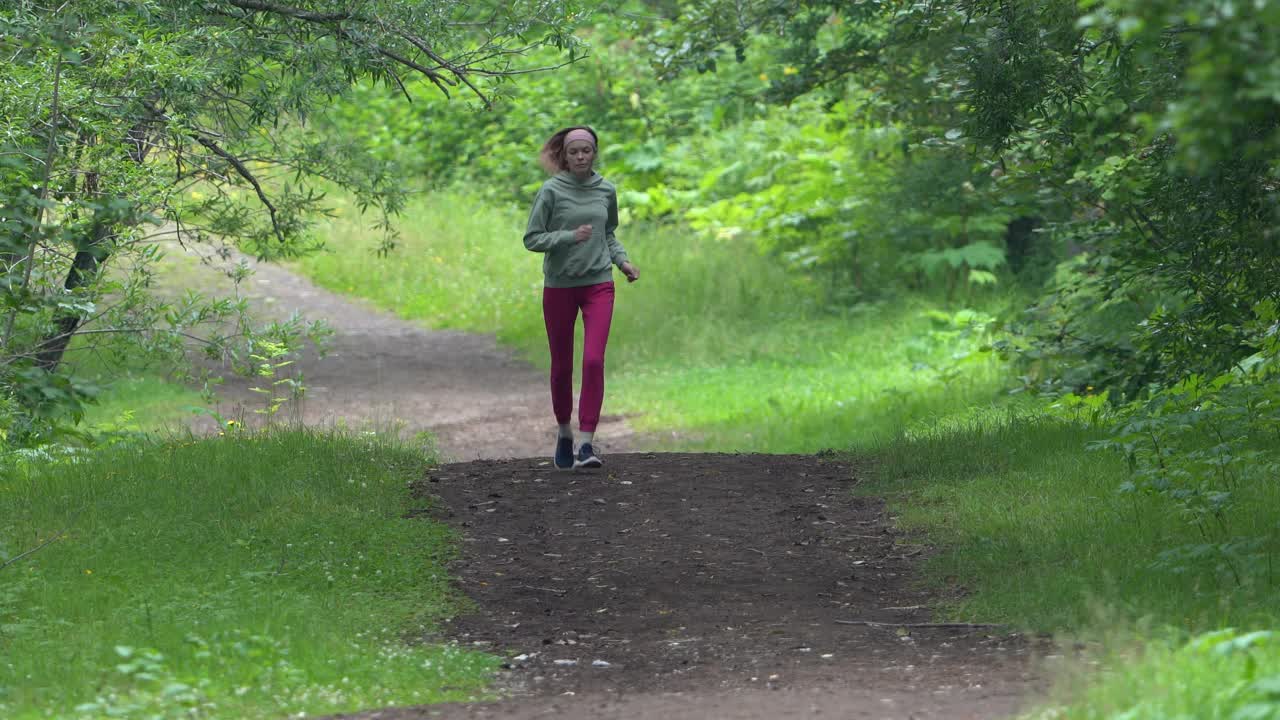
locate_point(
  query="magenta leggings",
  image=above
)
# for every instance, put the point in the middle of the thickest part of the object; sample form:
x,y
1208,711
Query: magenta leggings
x,y
560,311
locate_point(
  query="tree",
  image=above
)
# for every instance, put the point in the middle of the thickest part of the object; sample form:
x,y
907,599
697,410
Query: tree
x,y
126,121
1146,136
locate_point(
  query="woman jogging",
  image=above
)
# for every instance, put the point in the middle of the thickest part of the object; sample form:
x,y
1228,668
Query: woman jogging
x,y
572,223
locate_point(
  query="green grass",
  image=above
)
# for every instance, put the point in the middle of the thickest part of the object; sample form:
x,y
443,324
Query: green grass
x,y
715,347
136,393
1221,675
1037,534
719,348
140,401
250,576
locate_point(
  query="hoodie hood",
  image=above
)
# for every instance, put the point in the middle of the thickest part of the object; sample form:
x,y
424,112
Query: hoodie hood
x,y
567,180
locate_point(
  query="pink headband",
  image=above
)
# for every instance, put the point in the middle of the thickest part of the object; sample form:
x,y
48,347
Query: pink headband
x,y
579,134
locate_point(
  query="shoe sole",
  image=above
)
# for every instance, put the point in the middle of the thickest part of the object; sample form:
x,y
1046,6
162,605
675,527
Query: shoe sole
x,y
590,463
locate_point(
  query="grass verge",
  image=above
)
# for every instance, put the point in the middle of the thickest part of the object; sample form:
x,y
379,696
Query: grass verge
x,y
240,577
1220,675
1034,532
1037,534
713,337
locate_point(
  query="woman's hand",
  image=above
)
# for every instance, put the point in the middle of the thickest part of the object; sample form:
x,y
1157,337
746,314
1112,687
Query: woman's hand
x,y
630,271
582,234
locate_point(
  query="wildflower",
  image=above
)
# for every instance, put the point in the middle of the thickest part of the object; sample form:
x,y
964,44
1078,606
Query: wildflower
x,y
87,571
789,70
764,77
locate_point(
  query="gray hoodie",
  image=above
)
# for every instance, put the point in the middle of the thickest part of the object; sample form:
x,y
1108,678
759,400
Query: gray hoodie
x,y
562,204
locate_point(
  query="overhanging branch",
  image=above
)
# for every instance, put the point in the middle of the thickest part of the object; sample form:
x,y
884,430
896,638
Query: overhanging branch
x,y
241,169
293,12
245,173
333,21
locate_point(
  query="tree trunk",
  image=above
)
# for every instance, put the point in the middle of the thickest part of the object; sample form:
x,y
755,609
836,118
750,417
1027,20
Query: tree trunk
x,y
90,254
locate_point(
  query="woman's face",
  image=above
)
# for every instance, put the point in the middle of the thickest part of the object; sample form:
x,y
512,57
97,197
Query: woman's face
x,y
580,155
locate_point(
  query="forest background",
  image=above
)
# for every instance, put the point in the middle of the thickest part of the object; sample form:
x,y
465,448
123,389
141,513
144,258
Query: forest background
x,y
1020,256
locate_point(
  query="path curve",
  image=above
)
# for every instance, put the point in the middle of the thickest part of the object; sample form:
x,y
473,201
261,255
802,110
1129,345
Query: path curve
x,y
710,584
383,372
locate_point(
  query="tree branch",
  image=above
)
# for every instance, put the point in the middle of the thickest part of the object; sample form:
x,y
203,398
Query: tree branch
x,y
245,173
332,22
50,148
293,12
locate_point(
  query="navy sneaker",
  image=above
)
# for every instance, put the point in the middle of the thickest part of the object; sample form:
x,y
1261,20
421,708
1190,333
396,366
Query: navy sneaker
x,y
587,458
564,454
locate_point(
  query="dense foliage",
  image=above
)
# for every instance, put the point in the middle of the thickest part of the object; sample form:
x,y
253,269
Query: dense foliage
x,y
126,123
1116,167
1119,166
1110,170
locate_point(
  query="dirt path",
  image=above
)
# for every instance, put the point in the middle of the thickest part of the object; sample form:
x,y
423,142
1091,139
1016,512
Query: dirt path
x,y
704,586
664,586
478,399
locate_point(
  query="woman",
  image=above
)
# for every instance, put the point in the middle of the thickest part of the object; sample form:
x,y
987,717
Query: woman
x,y
572,223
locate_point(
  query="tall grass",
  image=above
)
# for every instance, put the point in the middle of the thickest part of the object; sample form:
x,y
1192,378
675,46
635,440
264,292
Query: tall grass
x,y
244,576
715,347
1036,532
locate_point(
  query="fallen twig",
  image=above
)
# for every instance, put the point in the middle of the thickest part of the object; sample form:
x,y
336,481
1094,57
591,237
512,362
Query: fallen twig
x,y
60,535
871,623
544,589
13,560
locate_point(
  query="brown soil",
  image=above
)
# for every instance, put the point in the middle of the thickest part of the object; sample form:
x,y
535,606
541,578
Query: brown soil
x,y
704,586
710,585
382,372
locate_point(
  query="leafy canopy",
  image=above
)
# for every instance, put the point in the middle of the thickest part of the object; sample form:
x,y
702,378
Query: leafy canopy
x,y
123,122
